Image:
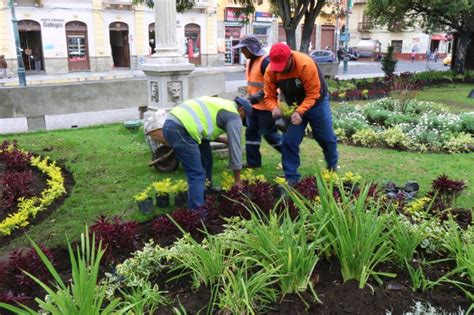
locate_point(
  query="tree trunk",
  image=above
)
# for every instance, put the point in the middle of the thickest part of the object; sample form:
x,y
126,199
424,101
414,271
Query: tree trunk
x,y
309,18
462,40
291,37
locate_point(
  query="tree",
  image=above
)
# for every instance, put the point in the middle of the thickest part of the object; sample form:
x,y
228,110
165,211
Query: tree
x,y
388,63
290,11
432,15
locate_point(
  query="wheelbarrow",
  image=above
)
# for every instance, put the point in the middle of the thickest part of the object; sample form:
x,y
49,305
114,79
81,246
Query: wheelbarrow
x,y
164,159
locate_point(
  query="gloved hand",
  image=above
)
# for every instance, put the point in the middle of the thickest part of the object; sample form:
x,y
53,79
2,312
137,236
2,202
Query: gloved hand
x,y
254,99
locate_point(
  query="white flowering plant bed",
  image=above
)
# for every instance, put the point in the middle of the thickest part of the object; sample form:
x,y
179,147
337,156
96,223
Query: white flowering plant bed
x,y
412,125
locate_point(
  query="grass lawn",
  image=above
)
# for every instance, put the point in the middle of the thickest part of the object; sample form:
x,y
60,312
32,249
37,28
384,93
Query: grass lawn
x,y
453,95
110,165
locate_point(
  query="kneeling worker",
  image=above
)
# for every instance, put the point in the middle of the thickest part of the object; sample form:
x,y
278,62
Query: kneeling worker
x,y
189,127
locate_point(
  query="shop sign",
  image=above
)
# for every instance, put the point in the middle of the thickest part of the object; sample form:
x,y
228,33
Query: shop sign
x,y
263,17
232,32
231,15
56,23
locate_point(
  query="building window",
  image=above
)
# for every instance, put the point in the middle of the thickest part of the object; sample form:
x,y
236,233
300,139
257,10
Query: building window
x,y
261,33
397,46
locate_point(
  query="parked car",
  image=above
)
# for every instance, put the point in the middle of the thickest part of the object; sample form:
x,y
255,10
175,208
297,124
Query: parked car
x,y
323,56
447,60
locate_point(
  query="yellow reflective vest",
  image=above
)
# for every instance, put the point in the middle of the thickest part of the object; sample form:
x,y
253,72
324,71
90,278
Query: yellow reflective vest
x,y
199,116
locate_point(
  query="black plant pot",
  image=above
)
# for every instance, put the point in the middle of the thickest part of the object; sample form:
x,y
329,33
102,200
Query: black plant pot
x,y
145,206
181,199
162,201
282,124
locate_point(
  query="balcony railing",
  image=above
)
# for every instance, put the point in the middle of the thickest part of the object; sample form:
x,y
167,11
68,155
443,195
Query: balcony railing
x,y
360,1
29,3
364,26
118,4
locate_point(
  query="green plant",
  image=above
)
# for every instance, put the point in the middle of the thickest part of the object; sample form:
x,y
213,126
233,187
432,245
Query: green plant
x,y
366,137
406,238
82,295
143,299
245,293
461,248
467,123
388,63
281,242
395,138
397,119
460,143
377,115
419,281
356,230
163,187
206,262
179,186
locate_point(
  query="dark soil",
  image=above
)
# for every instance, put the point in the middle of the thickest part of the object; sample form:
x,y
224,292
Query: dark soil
x,y
337,297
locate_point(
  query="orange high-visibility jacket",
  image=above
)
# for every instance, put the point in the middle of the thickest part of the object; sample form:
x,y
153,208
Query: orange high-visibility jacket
x,y
254,77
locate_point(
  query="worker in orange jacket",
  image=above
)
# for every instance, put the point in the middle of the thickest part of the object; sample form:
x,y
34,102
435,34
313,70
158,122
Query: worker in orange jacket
x,y
260,121
299,80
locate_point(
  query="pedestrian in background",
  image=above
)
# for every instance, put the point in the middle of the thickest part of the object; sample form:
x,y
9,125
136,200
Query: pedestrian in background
x,y
260,121
435,55
3,67
299,80
413,55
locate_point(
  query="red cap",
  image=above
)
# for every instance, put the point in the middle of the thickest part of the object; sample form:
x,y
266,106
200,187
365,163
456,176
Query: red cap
x,y
279,55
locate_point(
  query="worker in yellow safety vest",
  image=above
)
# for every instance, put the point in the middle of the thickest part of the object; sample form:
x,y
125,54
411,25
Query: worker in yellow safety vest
x,y
190,127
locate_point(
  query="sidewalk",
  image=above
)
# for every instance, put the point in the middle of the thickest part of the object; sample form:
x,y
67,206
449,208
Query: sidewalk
x,y
54,79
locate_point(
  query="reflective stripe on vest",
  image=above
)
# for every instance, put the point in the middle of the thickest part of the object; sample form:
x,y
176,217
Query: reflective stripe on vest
x,y
210,125
255,79
255,84
199,116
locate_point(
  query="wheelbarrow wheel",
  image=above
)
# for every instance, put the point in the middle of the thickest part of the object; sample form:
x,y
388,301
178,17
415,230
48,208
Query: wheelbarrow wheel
x,y
169,162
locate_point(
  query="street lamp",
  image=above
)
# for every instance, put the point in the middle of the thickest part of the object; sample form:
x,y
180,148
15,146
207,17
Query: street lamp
x,y
346,48
21,66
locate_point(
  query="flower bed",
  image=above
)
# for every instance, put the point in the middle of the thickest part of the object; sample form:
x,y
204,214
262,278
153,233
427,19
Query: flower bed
x,y
405,125
373,88
19,209
330,235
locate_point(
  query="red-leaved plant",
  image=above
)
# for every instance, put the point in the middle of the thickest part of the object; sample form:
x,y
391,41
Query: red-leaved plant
x,y
188,220
15,184
14,159
25,260
447,190
10,297
119,238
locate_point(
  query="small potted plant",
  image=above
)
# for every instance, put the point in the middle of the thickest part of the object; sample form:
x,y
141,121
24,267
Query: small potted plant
x,y
284,121
144,201
162,190
180,189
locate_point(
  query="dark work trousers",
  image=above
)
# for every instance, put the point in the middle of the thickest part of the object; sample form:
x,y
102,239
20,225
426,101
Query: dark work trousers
x,y
261,124
320,119
195,158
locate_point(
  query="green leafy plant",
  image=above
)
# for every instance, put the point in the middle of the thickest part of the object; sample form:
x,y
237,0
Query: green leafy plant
x,y
242,292
205,261
82,295
389,63
143,299
356,231
406,238
366,137
281,242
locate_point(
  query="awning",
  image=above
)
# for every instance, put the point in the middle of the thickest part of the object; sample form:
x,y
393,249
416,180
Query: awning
x,y
438,37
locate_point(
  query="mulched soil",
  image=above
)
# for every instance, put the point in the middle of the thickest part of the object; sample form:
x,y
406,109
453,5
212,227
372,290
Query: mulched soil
x,y
337,297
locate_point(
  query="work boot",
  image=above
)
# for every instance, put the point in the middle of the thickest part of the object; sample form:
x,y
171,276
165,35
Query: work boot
x,y
251,166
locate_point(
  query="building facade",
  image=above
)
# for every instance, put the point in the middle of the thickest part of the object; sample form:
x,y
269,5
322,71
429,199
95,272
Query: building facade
x,y
404,41
61,36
